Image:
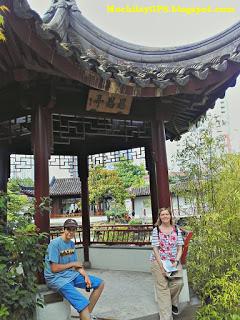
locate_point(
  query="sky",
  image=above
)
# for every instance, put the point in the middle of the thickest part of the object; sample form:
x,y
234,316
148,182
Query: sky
x,y
164,30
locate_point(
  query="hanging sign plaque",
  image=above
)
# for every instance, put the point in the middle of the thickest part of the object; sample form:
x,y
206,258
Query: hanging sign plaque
x,y
101,101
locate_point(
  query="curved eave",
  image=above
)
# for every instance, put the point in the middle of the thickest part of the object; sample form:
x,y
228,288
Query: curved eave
x,y
79,50
107,63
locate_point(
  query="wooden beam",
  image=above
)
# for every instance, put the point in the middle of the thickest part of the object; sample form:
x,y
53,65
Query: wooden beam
x,y
21,74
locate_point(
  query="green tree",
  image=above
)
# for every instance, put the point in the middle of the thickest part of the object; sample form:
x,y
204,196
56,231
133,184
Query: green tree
x,y
200,160
132,175
18,203
21,256
214,259
2,9
212,185
105,183
117,212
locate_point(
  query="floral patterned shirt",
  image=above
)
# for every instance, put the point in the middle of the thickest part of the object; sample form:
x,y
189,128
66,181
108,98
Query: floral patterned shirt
x,y
166,243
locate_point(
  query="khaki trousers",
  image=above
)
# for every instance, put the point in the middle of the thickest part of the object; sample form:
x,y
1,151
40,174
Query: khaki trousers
x,y
167,291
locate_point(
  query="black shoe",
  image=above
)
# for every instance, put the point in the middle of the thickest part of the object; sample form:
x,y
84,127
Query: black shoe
x,y
175,310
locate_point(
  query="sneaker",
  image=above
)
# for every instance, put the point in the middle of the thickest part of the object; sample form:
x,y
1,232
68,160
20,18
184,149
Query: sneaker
x,y
175,310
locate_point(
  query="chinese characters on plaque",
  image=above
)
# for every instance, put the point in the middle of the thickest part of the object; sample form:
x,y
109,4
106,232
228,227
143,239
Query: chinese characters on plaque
x,y
107,102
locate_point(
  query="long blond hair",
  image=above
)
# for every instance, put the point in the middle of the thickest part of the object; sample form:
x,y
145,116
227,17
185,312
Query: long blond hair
x,y
159,222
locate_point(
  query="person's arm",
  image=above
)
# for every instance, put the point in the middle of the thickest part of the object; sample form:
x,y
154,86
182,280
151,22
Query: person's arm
x,y
85,275
157,256
57,267
155,245
180,244
179,253
178,257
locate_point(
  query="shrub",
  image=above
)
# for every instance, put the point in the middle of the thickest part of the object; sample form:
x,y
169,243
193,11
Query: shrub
x,y
214,257
22,252
135,221
117,212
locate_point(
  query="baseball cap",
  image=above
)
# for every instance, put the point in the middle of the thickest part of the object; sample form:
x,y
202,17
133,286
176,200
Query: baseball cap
x,y
70,223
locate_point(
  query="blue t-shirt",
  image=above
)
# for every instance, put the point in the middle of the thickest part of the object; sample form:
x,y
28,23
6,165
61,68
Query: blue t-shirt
x,y
61,252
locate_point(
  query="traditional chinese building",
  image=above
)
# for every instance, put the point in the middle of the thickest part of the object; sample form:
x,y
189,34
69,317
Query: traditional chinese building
x,y
65,195
68,88
142,200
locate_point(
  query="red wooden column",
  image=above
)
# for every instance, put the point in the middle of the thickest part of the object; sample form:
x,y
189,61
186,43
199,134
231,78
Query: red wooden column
x,y
160,155
4,176
41,150
151,168
83,174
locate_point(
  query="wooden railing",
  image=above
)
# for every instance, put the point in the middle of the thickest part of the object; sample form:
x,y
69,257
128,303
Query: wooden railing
x,y
122,234
112,234
117,234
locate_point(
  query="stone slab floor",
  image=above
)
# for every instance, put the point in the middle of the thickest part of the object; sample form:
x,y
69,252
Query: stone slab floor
x,y
130,296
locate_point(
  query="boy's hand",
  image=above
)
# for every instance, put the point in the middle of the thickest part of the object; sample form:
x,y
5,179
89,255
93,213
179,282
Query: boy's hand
x,y
87,281
76,265
82,272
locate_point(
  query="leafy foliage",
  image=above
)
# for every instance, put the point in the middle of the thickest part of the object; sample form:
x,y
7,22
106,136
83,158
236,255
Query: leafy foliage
x,y
105,183
199,160
21,257
18,203
114,184
135,221
212,184
2,9
117,212
45,205
132,175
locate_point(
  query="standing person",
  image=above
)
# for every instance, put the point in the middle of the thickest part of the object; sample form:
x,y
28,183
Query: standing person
x,y
167,242
63,272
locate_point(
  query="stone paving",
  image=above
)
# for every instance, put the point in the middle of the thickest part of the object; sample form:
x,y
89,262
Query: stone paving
x,y
130,296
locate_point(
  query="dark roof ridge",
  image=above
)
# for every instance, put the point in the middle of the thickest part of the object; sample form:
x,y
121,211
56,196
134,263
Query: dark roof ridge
x,y
75,48
58,187
89,35
65,179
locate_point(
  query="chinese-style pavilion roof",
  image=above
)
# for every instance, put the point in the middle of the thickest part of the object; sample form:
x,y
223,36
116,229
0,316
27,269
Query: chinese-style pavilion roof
x,y
58,188
64,47
90,48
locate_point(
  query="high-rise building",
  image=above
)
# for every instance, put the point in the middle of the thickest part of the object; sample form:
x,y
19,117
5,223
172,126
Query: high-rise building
x,y
223,128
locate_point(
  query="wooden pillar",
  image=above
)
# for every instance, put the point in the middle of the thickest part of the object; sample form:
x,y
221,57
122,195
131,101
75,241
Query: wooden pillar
x,y
151,168
83,174
160,155
4,176
41,150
